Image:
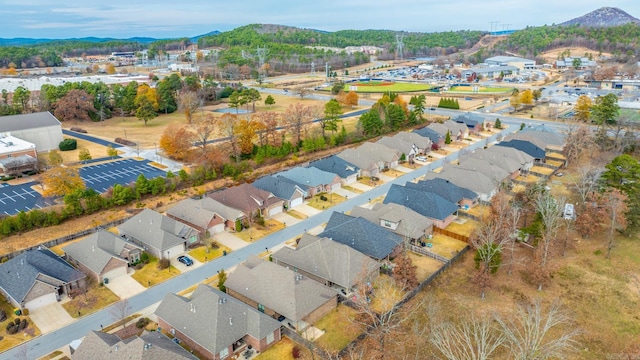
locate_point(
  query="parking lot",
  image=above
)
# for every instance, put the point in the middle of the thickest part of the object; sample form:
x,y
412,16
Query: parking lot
x,y
103,176
15,198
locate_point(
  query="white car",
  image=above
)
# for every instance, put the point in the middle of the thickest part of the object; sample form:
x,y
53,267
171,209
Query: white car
x,y
421,158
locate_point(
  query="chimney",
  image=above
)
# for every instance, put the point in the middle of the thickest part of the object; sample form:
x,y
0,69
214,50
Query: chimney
x,y
230,322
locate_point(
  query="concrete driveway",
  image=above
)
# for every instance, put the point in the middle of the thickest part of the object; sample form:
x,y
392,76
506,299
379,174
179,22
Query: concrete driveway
x,y
125,286
286,219
385,178
307,210
182,267
50,317
360,186
229,240
404,169
344,192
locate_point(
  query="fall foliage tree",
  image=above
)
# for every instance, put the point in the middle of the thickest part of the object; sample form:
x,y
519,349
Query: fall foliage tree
x,y
188,103
526,97
110,69
60,181
228,124
352,99
203,129
295,119
146,102
245,133
404,273
583,108
84,154
175,141
270,121
74,106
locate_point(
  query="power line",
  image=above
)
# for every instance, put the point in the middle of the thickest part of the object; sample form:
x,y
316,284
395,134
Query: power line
x,y
400,46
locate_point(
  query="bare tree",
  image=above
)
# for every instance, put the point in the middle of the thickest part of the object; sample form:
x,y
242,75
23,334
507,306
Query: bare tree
x,y
579,139
204,128
551,213
533,333
302,91
270,121
120,311
586,180
295,119
474,339
488,243
188,103
617,206
506,215
228,124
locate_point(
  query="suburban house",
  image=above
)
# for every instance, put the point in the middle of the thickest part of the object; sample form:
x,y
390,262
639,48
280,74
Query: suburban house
x,y
313,180
541,135
479,183
281,292
371,158
433,206
16,155
422,143
475,123
457,131
292,194
37,278
527,147
41,129
98,345
406,148
486,167
205,215
397,218
363,235
465,198
436,139
327,262
159,235
215,325
103,255
513,161
347,172
250,200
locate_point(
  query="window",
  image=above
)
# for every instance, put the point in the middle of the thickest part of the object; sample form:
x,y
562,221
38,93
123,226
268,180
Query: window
x,y
387,223
224,353
270,338
260,307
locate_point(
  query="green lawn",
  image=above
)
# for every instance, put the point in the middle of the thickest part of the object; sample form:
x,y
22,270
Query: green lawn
x,y
481,89
378,87
339,331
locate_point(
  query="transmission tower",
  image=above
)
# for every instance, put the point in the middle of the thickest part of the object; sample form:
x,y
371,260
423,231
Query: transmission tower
x,y
313,68
400,46
262,57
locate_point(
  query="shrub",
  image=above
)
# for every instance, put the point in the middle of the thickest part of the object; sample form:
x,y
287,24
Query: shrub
x,y
23,324
3,315
323,198
77,129
215,245
12,329
142,322
144,257
163,264
16,321
296,352
9,326
68,144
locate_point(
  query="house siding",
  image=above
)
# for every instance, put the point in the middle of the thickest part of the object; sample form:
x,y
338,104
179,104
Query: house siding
x,y
113,264
197,348
39,289
321,311
254,304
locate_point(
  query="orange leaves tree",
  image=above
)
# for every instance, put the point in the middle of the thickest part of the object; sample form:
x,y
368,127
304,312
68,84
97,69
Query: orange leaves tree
x,y
176,140
74,106
245,133
146,102
60,181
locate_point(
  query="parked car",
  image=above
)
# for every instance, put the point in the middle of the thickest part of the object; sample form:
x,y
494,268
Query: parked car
x,y
559,174
421,158
185,260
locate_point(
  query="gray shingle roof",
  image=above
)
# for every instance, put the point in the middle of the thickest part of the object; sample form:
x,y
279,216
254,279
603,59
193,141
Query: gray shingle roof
x,y
420,141
425,203
439,128
20,273
444,188
469,119
308,177
507,152
369,153
361,234
430,134
193,212
327,259
487,167
149,346
402,146
27,121
278,288
97,250
212,322
336,165
156,230
525,146
410,223
506,158
476,182
278,186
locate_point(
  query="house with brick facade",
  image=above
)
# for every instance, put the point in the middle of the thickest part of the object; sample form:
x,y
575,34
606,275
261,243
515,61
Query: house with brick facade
x,y
250,200
98,345
215,325
206,215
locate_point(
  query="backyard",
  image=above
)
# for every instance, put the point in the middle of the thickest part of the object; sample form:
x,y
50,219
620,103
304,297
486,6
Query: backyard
x,y
338,329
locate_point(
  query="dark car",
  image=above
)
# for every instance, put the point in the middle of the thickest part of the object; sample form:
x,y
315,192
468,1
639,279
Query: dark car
x,y
185,260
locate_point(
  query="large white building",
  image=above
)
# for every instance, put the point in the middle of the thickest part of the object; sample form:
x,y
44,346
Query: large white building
x,y
41,129
520,63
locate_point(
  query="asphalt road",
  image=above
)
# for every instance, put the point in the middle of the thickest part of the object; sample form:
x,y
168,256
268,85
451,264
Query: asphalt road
x,y
48,343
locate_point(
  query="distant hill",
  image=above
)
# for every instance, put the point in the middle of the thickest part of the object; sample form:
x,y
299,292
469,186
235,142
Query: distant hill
x,y
31,41
603,17
211,33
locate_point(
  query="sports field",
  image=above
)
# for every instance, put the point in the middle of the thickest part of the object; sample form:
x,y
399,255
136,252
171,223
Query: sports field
x,y
385,86
480,89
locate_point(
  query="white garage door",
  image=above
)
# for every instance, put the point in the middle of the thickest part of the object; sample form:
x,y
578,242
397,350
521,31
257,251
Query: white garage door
x,y
41,301
296,202
275,210
216,229
115,273
335,187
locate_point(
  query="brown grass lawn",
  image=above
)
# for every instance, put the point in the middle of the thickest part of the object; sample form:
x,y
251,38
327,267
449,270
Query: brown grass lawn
x,y
529,178
555,163
394,173
296,214
282,350
206,253
465,228
425,265
256,231
385,294
338,329
542,170
332,199
446,246
96,298
96,151
352,189
478,210
151,273
10,341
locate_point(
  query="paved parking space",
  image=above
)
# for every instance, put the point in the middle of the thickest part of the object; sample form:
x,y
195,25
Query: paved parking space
x,y
286,218
103,176
15,198
345,193
50,317
182,267
307,210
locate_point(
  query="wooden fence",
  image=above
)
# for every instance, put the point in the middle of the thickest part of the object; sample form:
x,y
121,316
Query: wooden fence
x,y
426,252
451,234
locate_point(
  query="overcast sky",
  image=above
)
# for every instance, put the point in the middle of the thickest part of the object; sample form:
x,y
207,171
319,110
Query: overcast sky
x,y
174,18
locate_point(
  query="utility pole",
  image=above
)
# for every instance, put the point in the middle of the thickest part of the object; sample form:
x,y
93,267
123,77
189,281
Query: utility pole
x,y
262,56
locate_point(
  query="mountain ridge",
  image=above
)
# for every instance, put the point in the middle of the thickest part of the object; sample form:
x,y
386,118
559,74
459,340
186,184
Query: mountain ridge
x,y
603,17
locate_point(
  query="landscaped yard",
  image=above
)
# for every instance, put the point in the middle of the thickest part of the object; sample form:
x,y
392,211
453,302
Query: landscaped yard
x,y
206,253
296,214
425,265
151,273
283,350
12,340
339,331
332,199
352,189
446,246
366,180
255,231
542,170
95,298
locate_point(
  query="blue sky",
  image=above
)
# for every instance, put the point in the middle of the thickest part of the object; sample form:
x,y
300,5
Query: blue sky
x,y
171,18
